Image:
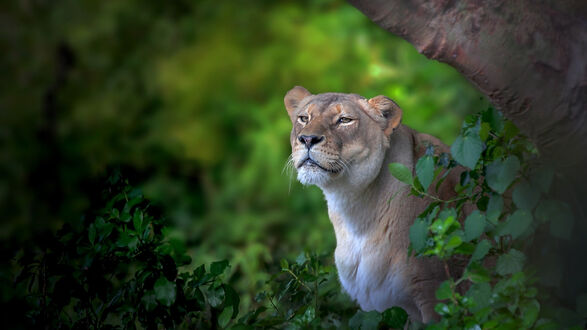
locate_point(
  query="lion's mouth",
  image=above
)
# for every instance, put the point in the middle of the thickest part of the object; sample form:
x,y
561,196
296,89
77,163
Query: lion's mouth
x,y
312,163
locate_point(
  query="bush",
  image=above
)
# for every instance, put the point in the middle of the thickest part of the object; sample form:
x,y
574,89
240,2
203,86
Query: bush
x,y
509,190
121,270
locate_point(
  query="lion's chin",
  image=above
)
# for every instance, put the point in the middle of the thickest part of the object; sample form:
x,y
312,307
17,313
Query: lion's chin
x,y
313,175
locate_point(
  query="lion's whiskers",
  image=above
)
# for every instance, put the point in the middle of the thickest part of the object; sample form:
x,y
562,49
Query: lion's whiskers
x,y
288,168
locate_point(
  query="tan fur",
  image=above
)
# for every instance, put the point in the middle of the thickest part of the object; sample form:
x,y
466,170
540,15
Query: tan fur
x,y
370,210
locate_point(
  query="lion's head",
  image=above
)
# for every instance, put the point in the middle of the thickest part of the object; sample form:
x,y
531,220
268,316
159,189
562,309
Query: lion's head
x,y
339,138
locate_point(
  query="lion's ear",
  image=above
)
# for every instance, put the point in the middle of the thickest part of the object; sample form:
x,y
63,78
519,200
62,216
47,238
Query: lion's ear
x,y
294,97
389,110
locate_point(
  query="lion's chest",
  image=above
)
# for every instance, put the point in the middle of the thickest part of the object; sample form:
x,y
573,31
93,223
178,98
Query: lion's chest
x,y
369,272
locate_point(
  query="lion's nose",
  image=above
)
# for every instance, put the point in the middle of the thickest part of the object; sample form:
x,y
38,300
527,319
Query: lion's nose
x,y
310,140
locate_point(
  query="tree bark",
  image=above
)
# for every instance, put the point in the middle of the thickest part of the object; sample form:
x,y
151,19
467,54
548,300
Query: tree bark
x,y
529,58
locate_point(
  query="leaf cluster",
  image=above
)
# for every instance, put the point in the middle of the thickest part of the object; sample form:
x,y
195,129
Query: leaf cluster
x,y
120,270
502,200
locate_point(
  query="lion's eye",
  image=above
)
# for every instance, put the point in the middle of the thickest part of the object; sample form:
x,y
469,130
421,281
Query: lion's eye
x,y
303,119
344,120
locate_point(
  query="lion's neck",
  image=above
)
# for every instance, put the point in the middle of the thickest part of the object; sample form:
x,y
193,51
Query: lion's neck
x,y
361,208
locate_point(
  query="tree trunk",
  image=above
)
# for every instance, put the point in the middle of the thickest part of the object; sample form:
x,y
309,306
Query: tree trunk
x,y
530,59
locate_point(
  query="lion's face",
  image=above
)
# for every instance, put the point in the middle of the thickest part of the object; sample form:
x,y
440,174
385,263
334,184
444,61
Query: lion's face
x,y
339,138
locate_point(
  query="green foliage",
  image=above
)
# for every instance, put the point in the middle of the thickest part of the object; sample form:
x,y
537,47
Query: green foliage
x,y
123,268
120,270
501,202
401,172
467,149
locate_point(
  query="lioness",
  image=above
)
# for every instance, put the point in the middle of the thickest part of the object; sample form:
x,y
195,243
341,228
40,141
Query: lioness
x,y
343,143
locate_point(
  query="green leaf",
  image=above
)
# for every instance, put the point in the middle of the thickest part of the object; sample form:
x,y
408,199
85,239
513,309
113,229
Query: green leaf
x,y
284,264
215,296
500,174
127,240
165,291
125,217
225,317
474,225
467,149
494,207
418,234
401,172
511,262
525,196
510,130
218,267
466,248
494,118
529,310
480,293
517,224
149,300
137,220
365,320
442,309
92,233
484,131
477,273
444,291
453,242
481,250
441,226
231,298
425,171
301,259
448,213
395,317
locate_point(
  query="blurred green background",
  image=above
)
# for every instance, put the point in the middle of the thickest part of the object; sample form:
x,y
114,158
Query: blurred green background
x,y
186,98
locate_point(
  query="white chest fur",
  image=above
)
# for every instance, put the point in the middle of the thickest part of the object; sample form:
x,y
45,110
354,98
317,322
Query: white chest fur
x,y
368,272
367,275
